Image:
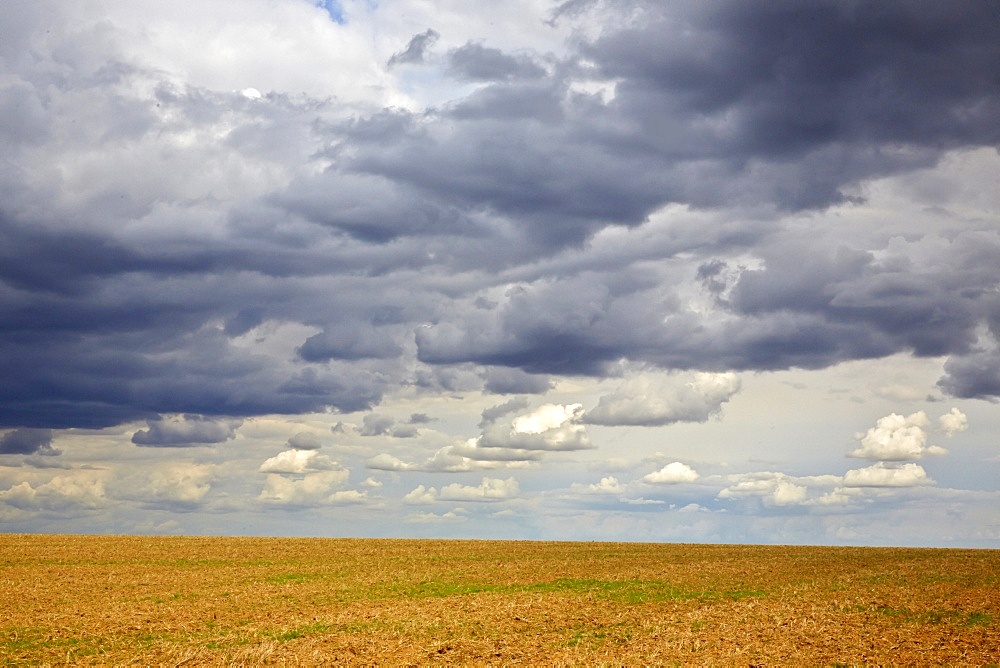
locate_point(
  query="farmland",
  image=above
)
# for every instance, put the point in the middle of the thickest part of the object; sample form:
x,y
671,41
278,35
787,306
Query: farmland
x,y
250,601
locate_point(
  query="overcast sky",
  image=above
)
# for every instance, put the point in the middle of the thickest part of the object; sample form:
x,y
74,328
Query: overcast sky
x,y
667,271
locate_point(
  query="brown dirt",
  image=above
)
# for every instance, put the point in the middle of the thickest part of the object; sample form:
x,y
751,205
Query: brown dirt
x,y
252,601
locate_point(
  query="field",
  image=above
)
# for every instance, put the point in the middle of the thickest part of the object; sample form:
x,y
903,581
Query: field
x,y
251,601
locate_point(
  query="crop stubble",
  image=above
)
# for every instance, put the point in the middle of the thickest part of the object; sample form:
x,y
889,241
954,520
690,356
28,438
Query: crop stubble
x,y
247,601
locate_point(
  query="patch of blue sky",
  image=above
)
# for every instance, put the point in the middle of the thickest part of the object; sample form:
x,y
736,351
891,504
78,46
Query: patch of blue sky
x,y
333,8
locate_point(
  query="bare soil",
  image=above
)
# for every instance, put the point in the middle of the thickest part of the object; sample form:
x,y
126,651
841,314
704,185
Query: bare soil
x,y
250,601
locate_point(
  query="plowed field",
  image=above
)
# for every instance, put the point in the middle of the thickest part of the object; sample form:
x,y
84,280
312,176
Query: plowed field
x,y
249,601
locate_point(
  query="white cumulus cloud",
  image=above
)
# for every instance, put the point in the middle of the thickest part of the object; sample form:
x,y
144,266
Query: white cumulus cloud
x,y
672,473
786,493
773,489
885,475
181,483
347,497
953,422
311,489
491,489
897,438
607,485
421,495
450,517
551,427
387,462
298,461
504,442
839,496
61,493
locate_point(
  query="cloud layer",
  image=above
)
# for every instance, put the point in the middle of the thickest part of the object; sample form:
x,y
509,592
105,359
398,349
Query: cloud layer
x,y
193,237
228,227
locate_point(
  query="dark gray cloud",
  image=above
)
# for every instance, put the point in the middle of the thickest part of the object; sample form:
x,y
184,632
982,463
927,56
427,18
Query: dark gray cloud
x,y
716,104
27,442
199,252
350,341
107,377
931,310
974,375
478,62
305,440
375,424
494,413
23,115
405,431
573,325
504,103
809,306
791,76
506,380
186,430
415,49
656,401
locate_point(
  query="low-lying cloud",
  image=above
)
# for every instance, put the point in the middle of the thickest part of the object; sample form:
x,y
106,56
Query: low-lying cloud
x,y
186,430
656,400
898,438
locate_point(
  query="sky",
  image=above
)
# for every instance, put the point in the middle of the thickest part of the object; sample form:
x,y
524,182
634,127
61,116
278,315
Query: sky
x,y
692,271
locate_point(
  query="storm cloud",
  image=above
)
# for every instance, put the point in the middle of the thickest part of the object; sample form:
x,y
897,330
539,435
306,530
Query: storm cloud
x,y
186,430
366,242
27,442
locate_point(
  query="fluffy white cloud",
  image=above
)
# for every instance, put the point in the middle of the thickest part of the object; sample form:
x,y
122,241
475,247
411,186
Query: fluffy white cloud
x,y
491,489
459,457
421,495
607,485
839,496
545,418
386,462
474,454
311,489
786,493
450,517
656,399
885,475
516,442
298,461
347,497
953,422
773,489
254,47
672,473
897,438
645,502
180,483
776,489
61,493
551,427
693,508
